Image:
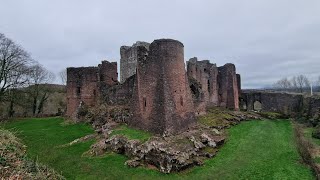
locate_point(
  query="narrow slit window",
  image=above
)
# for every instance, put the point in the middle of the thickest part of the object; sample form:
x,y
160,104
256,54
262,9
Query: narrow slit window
x,y
181,100
144,104
78,91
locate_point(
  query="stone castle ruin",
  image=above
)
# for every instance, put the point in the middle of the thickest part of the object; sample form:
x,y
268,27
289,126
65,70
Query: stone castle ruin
x,y
160,95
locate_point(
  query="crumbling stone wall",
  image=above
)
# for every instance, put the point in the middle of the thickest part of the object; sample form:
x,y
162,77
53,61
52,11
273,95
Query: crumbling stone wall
x,y
207,75
284,103
155,84
128,60
108,73
290,104
84,85
162,101
81,86
220,86
119,94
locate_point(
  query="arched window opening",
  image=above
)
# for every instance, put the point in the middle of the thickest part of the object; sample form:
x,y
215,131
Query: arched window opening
x,y
257,106
181,101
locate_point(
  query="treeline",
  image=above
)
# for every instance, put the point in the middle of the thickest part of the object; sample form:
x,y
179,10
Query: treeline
x,y
21,80
297,84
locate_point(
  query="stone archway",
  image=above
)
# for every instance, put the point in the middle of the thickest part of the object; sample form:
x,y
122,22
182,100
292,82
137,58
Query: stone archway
x,y
257,106
243,104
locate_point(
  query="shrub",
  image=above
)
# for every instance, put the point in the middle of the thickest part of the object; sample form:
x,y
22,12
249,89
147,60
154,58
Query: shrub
x,y
304,148
316,133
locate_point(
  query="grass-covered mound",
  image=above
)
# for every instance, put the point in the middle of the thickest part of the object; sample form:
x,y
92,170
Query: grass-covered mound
x,y
254,150
131,133
220,118
15,165
272,115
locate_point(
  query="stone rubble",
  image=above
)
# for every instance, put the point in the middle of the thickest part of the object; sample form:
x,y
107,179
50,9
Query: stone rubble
x,y
173,153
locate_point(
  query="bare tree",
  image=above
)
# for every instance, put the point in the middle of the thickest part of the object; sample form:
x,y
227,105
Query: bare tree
x,y
302,83
38,89
63,76
294,84
14,65
283,84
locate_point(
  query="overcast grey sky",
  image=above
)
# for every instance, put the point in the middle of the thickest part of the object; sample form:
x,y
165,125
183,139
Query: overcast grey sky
x,y
265,39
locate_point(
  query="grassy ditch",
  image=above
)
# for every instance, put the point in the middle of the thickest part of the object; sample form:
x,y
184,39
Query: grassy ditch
x,y
261,149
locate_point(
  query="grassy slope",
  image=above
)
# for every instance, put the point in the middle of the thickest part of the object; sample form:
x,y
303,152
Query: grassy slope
x,y
308,134
255,150
316,142
15,165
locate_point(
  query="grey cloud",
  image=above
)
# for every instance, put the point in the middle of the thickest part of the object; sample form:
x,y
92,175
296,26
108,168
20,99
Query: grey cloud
x,y
267,39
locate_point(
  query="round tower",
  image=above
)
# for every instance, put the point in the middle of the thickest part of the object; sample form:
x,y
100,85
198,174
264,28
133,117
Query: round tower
x,y
163,102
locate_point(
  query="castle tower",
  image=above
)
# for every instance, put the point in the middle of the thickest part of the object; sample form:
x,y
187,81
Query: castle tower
x,y
84,85
239,83
228,87
81,87
162,102
128,60
206,74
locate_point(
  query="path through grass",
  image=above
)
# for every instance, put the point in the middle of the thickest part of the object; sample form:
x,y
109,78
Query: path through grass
x,y
254,150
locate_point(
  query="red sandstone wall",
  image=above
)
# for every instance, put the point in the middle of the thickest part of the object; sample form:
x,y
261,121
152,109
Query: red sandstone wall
x,y
81,86
228,88
162,99
239,83
84,85
108,73
206,74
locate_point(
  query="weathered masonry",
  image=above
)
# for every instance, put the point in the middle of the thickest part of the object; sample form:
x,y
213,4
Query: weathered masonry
x,y
129,58
284,103
161,95
162,100
218,85
84,83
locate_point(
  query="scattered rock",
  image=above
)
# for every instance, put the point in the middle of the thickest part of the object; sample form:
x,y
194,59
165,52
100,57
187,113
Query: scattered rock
x,y
98,148
82,139
197,144
207,140
171,153
133,162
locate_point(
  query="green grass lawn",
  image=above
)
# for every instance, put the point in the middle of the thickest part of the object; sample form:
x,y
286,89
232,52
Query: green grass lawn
x,y
254,150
